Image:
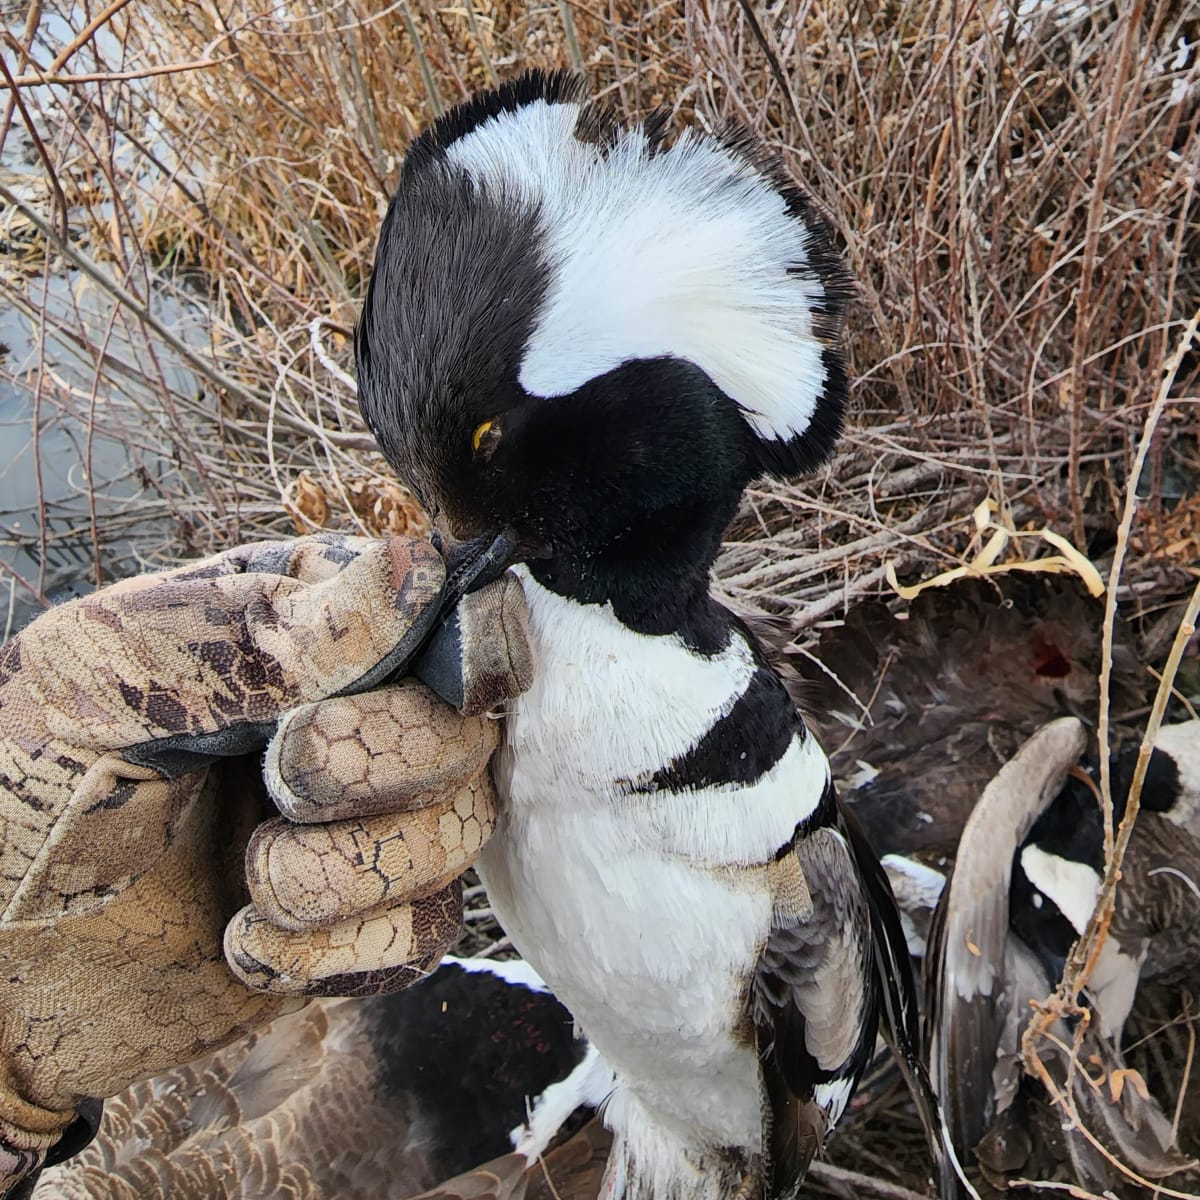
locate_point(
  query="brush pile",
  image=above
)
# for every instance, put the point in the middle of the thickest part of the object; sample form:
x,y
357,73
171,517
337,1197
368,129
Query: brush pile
x,y
190,195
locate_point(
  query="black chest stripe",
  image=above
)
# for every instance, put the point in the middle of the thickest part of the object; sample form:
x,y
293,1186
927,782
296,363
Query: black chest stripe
x,y
742,745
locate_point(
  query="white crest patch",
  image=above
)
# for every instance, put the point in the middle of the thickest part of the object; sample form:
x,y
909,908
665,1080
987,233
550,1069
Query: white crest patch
x,y
1073,886
689,253
1182,743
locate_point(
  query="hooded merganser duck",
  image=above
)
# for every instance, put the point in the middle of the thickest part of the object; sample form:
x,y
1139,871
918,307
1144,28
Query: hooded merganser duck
x,y
581,342
1025,881
1057,872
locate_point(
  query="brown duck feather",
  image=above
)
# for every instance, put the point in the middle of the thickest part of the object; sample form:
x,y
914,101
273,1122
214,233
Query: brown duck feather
x,y
572,1171
286,1113
373,1098
920,713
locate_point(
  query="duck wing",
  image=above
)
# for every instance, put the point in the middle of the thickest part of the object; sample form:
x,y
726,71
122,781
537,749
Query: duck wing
x,y
967,989
296,1111
813,1001
354,1099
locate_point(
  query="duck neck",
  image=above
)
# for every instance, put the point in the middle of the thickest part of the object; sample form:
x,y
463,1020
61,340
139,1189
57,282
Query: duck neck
x,y
656,581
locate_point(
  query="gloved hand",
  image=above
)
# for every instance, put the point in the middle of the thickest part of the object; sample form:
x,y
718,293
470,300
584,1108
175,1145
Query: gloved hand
x,y
151,906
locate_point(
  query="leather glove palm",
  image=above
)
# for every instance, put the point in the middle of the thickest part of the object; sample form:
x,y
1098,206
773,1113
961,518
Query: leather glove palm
x,y
151,908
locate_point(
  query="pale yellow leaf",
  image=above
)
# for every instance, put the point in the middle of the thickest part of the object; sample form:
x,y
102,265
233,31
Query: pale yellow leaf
x,y
911,593
991,551
1119,1078
1080,563
983,514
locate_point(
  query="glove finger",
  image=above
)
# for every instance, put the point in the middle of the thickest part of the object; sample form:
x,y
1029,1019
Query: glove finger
x,y
481,655
240,649
120,820
368,957
296,643
313,876
311,559
391,750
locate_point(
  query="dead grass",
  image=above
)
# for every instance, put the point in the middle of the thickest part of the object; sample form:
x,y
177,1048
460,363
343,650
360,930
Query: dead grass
x,y
1017,195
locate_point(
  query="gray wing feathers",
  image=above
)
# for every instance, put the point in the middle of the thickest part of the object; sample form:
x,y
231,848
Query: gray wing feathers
x,y
969,1010
816,961
811,1000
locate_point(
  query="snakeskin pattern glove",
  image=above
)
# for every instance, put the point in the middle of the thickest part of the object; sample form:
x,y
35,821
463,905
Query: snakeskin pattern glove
x,y
153,904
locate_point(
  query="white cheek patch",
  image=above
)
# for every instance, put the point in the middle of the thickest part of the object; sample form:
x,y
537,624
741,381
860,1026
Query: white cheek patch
x,y
1073,886
1182,743
689,253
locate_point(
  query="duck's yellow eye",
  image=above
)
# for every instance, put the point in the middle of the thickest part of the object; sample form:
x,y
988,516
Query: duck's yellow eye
x,y
477,436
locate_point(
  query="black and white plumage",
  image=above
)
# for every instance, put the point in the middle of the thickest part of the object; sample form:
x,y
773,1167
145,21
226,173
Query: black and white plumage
x,y
1057,873
592,340
1024,886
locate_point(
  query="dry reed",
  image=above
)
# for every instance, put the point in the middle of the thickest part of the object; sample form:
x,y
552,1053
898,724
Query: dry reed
x,y
1017,192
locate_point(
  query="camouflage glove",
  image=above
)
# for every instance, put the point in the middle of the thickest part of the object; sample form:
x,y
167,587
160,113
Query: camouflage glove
x,y
152,907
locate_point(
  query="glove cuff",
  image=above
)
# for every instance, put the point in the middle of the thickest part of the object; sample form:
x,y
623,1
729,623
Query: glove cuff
x,y
29,1126
17,1165
27,1132
24,1152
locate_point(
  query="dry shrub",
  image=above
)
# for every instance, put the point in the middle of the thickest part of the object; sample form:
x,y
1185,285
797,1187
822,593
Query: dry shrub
x,y
380,506
1017,194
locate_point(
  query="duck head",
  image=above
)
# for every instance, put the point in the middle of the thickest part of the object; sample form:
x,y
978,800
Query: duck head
x,y
590,340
